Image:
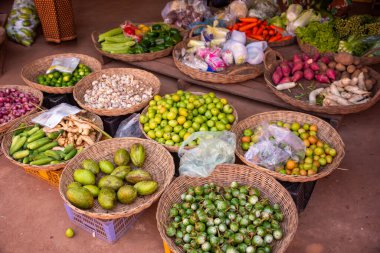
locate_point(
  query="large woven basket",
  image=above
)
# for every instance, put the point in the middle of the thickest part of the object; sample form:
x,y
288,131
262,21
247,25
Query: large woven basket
x,y
233,74
136,57
7,140
158,162
325,132
223,175
38,94
302,103
86,83
31,70
175,149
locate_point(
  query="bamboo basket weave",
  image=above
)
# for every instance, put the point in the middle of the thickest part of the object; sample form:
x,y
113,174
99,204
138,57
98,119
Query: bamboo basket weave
x,y
303,103
31,70
325,132
223,175
86,83
7,141
158,162
38,94
57,19
175,149
233,74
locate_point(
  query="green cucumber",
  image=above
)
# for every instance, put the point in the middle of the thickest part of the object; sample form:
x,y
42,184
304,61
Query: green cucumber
x,y
47,146
21,154
37,135
70,155
38,143
42,161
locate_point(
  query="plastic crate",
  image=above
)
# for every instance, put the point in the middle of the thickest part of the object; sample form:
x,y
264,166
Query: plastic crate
x,y
107,230
51,176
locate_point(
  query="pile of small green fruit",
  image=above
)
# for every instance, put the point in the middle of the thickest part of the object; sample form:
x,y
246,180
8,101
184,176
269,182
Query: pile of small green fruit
x,y
173,118
231,219
60,79
110,187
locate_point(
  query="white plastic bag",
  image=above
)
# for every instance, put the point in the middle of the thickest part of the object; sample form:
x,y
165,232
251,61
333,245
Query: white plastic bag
x,y
64,65
52,117
129,127
214,148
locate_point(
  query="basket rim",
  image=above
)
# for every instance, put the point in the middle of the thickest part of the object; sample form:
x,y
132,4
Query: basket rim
x,y
183,180
290,178
51,89
175,149
115,112
135,210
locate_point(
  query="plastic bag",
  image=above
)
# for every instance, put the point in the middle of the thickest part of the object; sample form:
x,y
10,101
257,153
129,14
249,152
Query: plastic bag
x,y
129,127
214,148
263,9
276,145
52,117
22,22
238,9
64,65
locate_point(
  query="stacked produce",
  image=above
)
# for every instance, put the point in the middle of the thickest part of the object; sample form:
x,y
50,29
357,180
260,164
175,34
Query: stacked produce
x,y
131,39
317,154
235,218
63,79
259,30
15,103
117,92
171,119
108,184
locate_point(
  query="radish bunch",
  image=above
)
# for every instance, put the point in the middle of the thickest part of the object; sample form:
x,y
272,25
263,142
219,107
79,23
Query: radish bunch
x,y
304,66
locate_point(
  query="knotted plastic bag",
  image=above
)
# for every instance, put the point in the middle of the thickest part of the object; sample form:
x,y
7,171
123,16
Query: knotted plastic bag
x,y
214,148
276,145
129,127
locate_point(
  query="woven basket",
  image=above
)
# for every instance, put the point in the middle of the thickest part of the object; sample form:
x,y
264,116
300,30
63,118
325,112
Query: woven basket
x,y
57,19
38,94
7,140
175,149
223,175
136,57
303,103
158,162
325,132
31,70
234,74
86,83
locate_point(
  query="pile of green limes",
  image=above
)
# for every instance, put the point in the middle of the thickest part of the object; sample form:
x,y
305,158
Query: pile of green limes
x,y
60,79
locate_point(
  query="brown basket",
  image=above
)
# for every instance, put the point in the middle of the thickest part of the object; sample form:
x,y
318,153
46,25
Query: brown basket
x,y
223,175
158,162
234,74
57,19
175,149
7,140
325,132
31,70
84,84
38,94
136,57
287,96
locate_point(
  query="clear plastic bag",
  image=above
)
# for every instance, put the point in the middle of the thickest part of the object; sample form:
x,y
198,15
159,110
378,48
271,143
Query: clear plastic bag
x,y
214,148
276,145
263,9
129,127
53,116
64,65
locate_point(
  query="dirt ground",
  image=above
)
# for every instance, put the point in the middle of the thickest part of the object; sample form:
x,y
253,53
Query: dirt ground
x,y
342,215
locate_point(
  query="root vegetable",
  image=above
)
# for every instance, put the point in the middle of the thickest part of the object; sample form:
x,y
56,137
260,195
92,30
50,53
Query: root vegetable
x,y
338,99
356,73
344,58
369,83
316,57
345,75
308,74
329,102
361,82
332,65
351,69
325,60
285,86
354,81
297,76
277,75
314,66
297,66
363,101
364,69
313,96
340,89
345,95
322,78
356,90
285,80
297,58
356,98
305,57
331,74
323,67
334,90
340,67
285,69
356,61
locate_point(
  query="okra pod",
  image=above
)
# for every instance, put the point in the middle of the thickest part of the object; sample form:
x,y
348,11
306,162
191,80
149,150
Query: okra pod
x,y
38,143
37,135
21,154
52,154
42,161
70,155
110,33
17,144
47,146
68,148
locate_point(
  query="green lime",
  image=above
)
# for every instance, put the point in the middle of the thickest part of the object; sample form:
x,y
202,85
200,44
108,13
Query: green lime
x,y
248,132
168,129
177,129
245,146
220,126
173,123
295,126
69,233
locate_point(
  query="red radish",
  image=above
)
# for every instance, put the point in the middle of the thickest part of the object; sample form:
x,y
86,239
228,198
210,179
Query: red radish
x,y
285,80
325,60
306,65
291,64
285,69
297,76
296,58
297,66
330,73
305,57
314,66
322,78
308,74
316,57
276,77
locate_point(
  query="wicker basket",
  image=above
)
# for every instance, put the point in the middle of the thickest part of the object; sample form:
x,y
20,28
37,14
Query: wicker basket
x,y
158,162
325,132
57,19
234,74
136,57
7,140
31,70
175,149
38,94
303,103
84,84
223,175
